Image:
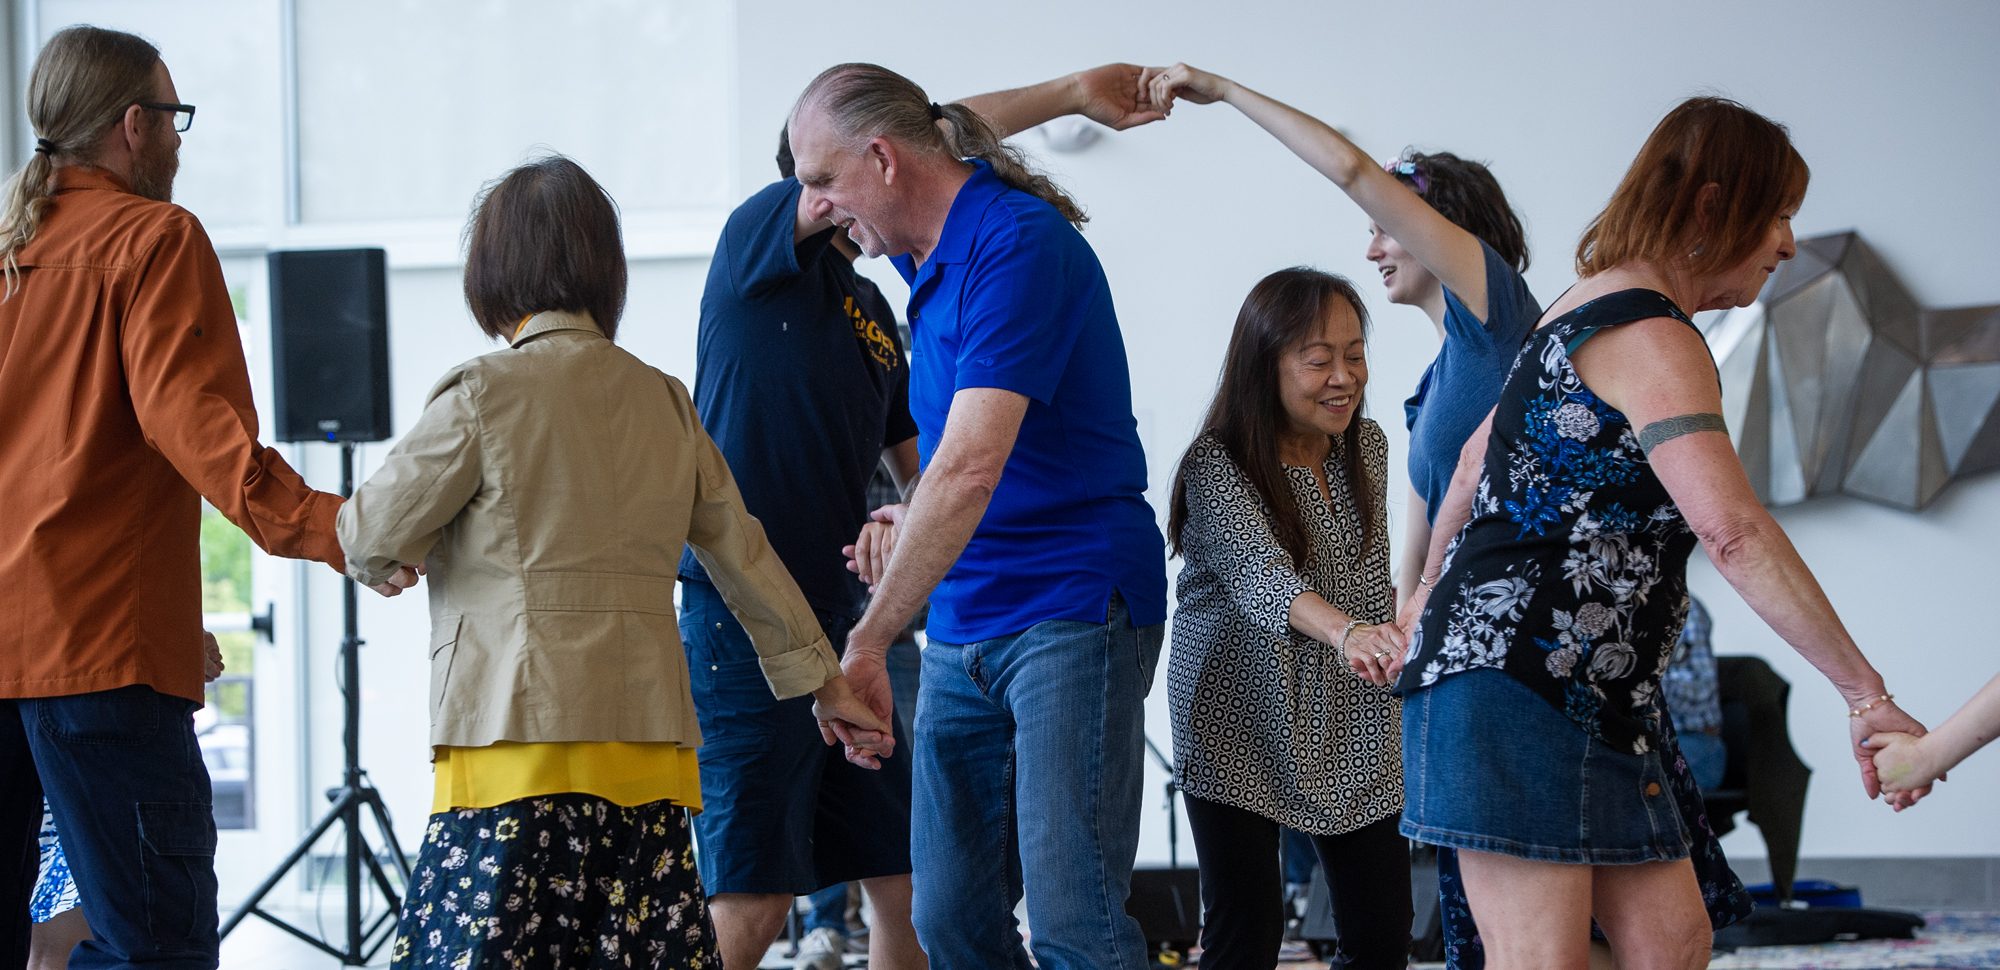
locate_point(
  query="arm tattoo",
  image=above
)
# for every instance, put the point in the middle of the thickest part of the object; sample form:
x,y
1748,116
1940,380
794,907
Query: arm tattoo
x,y
1667,429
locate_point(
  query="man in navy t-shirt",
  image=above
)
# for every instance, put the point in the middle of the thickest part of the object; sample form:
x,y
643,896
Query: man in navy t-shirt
x,y
1029,532
801,380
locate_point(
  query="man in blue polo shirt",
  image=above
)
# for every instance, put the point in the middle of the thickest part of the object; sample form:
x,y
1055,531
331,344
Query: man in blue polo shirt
x,y
800,379
1029,533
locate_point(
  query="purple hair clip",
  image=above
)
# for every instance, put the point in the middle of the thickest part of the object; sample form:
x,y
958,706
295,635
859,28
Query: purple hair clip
x,y
1408,169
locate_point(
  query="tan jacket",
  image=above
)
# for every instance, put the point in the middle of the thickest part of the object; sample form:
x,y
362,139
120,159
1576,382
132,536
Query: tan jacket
x,y
550,487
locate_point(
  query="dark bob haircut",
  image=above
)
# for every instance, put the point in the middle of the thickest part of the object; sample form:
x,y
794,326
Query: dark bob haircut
x,y
544,237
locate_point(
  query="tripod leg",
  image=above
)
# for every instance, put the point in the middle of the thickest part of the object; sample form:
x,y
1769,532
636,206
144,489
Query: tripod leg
x,y
389,836
277,875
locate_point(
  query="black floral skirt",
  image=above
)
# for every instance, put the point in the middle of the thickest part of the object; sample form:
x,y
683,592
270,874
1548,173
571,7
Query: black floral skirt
x,y
559,881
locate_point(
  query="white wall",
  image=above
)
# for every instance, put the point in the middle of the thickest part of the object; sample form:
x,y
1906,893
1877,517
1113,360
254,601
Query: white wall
x,y
1885,101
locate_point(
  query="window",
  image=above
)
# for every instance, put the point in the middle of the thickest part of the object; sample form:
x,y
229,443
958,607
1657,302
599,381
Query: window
x,y
374,122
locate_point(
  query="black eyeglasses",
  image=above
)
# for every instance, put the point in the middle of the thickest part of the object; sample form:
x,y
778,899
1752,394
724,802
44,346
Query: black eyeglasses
x,y
183,113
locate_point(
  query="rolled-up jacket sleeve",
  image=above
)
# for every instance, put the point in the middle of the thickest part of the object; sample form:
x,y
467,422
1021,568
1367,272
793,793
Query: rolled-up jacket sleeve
x,y
791,649
397,516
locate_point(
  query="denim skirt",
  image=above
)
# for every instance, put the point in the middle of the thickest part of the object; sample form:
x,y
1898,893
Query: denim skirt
x,y
1489,766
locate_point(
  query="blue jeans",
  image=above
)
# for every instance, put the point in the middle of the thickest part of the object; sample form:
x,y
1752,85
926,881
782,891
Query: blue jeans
x,y
130,794
1029,752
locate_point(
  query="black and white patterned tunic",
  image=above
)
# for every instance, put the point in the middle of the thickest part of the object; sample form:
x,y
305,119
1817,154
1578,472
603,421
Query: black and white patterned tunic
x,y
1265,718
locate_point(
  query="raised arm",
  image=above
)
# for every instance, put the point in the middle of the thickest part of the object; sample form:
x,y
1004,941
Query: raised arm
x,y
1118,96
1452,254
1659,373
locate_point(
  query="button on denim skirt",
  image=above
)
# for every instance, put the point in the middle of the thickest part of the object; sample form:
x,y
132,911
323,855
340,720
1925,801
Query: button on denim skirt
x,y
1489,766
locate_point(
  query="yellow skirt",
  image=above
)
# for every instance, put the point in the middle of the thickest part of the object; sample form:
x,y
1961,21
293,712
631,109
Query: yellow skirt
x,y
623,772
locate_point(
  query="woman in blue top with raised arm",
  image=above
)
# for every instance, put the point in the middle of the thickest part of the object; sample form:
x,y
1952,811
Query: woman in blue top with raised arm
x,y
1445,241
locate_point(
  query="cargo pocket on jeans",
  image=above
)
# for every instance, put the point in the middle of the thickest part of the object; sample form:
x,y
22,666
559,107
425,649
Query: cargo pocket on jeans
x,y
177,849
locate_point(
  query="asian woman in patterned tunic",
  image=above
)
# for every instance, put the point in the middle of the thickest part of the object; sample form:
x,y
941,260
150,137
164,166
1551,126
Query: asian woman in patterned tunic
x,y
1535,740
1283,635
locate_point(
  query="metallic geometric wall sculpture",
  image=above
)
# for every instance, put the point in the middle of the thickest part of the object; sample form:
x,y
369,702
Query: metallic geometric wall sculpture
x,y
1836,382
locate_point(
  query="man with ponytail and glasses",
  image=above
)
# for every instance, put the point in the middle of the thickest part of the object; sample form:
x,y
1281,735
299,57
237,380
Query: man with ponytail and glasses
x,y
1029,531
124,401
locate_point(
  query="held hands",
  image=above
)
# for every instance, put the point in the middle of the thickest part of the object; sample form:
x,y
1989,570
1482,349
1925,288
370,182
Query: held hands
x,y
1904,762
403,578
845,718
1885,718
856,709
1191,84
1117,96
868,557
1374,651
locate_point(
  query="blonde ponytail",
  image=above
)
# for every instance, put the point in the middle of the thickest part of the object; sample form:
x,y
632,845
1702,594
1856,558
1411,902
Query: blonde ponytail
x,y
84,80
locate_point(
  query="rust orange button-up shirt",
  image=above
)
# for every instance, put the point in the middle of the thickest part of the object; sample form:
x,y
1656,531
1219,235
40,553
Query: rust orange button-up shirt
x,y
124,399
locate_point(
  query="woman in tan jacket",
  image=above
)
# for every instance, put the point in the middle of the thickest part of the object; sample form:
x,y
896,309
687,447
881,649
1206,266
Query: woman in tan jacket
x,y
549,487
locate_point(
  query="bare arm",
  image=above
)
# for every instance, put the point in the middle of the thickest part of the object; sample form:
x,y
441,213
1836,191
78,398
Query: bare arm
x,y
868,556
1452,254
901,461
978,436
1114,95
1416,547
1227,535
1452,516
1904,762
1659,373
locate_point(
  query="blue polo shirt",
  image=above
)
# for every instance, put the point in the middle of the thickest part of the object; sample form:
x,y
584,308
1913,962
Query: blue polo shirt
x,y
801,381
1013,298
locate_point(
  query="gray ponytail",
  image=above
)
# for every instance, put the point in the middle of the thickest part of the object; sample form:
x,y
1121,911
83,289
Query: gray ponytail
x,y
864,101
84,79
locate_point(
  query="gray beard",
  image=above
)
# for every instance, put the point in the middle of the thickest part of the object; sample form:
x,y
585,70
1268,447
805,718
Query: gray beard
x,y
153,174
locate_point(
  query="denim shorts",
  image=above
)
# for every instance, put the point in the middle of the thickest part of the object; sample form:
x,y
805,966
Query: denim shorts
x,y
782,811
1489,766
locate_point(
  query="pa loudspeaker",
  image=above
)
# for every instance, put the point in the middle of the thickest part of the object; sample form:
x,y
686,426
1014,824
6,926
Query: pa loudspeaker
x,y
330,344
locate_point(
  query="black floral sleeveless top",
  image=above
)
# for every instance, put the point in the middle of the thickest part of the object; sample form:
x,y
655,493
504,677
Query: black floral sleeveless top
x,y
1571,574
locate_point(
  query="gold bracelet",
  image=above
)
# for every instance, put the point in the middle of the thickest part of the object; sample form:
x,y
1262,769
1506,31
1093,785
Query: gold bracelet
x,y
1863,709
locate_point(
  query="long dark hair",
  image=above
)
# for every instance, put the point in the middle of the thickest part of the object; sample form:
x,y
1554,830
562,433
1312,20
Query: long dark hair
x,y
1282,310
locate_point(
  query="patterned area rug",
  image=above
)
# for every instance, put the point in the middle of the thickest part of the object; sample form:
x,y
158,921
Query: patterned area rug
x,y
1950,941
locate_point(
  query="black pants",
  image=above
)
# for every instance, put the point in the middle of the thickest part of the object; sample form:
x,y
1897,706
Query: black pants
x,y
1368,871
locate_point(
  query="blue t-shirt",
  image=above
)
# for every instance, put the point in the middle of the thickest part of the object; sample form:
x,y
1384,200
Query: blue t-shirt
x,y
1013,298
800,379
1464,380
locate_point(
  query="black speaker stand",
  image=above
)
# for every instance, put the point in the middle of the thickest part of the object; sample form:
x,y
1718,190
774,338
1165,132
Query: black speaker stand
x,y
351,800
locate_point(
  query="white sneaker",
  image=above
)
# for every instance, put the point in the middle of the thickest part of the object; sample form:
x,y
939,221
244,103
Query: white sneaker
x,y
820,950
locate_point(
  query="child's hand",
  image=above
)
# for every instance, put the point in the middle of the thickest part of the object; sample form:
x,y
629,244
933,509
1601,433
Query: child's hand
x,y
1903,762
